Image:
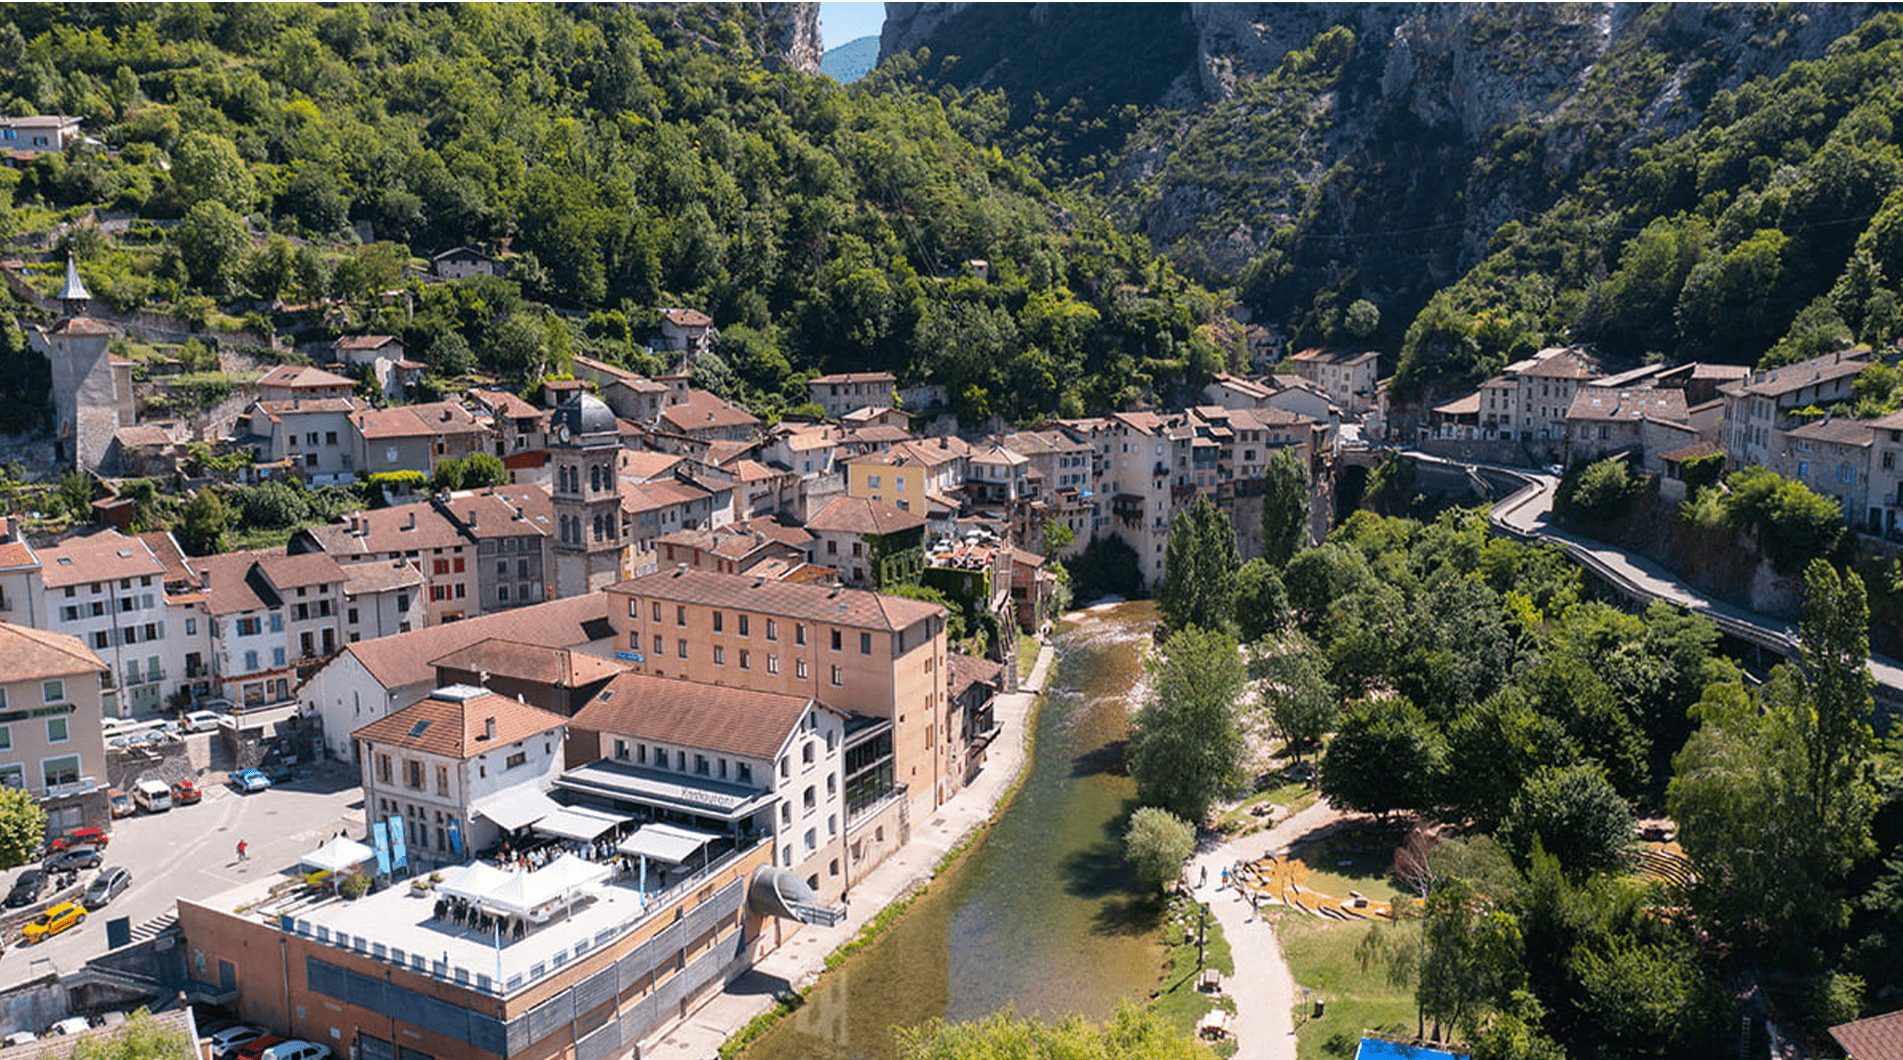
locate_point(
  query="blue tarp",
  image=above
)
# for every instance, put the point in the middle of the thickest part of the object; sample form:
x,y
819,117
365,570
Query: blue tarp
x,y
1376,1049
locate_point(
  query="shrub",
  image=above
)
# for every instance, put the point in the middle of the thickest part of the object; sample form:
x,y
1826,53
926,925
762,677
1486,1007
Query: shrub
x,y
1157,843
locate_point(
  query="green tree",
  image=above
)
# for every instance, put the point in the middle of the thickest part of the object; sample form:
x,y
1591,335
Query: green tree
x,y
1297,698
1602,491
1575,815
22,825
1261,600
1057,537
1362,319
140,1037
483,470
449,355
1131,1034
76,496
206,167
1285,507
1385,756
1187,748
1157,842
1199,569
211,241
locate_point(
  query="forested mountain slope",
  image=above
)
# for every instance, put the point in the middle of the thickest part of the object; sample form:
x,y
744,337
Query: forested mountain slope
x,y
1686,180
625,157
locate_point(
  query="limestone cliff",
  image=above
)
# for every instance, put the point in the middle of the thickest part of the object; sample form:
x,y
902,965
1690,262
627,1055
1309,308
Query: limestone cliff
x,y
795,31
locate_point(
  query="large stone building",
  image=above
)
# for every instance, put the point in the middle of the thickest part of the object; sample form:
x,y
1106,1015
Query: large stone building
x,y
50,742
589,550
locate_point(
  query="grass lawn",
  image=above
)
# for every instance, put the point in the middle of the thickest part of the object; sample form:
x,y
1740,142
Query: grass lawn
x,y
1027,655
1292,796
1177,999
1321,956
259,538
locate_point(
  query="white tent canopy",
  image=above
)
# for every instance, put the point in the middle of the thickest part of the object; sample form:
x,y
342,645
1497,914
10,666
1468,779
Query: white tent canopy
x,y
474,882
578,822
339,855
516,807
669,843
537,894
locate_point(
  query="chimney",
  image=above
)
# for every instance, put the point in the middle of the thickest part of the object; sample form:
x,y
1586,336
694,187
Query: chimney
x,y
489,728
445,415
412,523
472,518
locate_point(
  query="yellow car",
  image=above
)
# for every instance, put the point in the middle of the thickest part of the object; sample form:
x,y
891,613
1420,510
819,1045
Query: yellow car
x,y
53,921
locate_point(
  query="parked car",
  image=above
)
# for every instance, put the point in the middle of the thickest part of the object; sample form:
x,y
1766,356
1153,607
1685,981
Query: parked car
x,y
250,780
251,1049
26,889
277,769
75,858
70,1025
55,920
296,1049
79,837
205,720
186,791
229,1040
109,884
121,803
154,795
22,1038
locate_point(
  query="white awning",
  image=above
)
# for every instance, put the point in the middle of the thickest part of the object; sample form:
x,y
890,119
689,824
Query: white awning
x,y
516,807
338,855
578,822
668,843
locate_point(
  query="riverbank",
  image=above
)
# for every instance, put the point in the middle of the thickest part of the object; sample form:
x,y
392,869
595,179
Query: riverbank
x,y
798,964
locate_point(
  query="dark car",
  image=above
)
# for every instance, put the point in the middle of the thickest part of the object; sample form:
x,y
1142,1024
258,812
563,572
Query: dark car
x,y
73,858
109,884
26,889
277,769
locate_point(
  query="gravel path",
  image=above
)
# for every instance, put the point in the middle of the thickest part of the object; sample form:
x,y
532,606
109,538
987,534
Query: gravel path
x,y
1262,987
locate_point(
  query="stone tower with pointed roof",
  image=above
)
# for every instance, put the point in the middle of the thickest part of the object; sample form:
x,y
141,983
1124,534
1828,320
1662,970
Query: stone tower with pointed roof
x,y
92,395
589,548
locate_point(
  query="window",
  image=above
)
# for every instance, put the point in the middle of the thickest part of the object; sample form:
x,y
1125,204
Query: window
x,y
59,771
13,776
832,547
837,639
53,692
681,648
700,765
799,669
773,664
810,800
442,780
839,677
250,660
56,730
786,815
277,656
191,627
657,611
6,738
659,647
799,633
746,659
772,630
383,769
717,621
100,640
720,655
865,644
517,759
812,839
744,772
806,753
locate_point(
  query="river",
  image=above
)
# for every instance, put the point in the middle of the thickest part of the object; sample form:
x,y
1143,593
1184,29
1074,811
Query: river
x,y
1042,913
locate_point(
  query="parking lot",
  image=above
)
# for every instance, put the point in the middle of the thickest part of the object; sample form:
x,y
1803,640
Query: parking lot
x,y
191,852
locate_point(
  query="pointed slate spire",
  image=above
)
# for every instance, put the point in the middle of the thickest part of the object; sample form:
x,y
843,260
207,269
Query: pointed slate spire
x,y
74,296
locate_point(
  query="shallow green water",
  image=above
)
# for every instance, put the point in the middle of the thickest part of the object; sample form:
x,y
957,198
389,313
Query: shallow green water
x,y
1042,913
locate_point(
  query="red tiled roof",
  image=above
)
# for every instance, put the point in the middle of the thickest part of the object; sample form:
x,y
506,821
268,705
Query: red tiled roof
x,y
454,722
404,659
814,603
104,556
1876,1038
542,663
687,318
28,654
304,377
309,568
720,718
862,515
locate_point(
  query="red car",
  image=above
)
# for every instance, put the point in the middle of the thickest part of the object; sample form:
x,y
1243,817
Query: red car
x,y
254,1047
185,792
81,837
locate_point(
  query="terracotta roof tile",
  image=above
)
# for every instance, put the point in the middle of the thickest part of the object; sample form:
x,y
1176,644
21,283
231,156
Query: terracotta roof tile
x,y
29,654
404,659
104,556
543,663
454,721
814,603
862,515
719,718
1876,1038
304,377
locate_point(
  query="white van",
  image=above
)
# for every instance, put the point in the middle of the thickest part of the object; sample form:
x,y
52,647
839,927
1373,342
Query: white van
x,y
153,795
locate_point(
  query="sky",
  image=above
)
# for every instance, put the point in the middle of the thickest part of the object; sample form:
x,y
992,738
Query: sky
x,y
841,22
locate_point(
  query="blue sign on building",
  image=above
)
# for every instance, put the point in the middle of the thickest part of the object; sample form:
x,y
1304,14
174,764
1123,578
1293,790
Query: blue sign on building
x,y
630,656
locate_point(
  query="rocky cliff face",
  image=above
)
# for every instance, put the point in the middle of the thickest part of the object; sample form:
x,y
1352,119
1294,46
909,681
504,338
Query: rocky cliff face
x,y
797,40
1406,135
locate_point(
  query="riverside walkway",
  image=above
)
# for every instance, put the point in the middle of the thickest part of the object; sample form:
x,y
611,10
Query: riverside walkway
x,y
798,963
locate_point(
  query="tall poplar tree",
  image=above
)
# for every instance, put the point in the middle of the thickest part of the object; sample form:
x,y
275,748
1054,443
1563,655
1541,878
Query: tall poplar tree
x,y
1199,569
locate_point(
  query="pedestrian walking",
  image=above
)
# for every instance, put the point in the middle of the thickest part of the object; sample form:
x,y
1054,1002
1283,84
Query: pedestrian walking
x,y
242,847
1205,880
